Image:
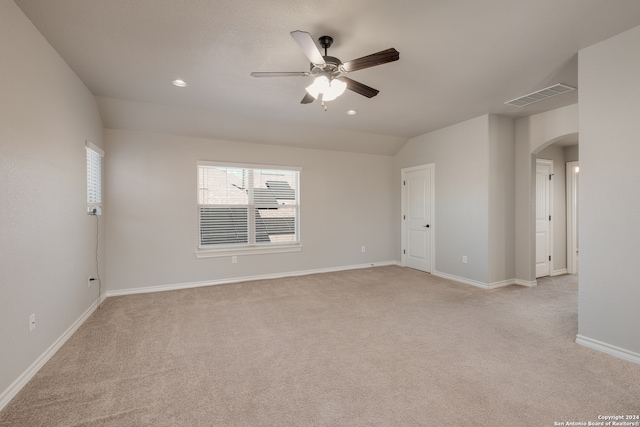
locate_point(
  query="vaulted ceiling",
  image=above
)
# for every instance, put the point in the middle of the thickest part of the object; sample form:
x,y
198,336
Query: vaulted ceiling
x,y
459,59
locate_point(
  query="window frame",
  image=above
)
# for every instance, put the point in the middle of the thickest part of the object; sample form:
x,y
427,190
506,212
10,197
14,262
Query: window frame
x,y
232,249
94,178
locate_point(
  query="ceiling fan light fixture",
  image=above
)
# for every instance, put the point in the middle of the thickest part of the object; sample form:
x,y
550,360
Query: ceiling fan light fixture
x,y
337,88
330,89
318,86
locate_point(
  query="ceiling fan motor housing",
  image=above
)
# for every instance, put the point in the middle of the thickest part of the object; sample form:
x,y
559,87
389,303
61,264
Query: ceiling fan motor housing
x,y
333,67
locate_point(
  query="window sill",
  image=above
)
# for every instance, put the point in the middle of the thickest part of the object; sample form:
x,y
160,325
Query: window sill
x,y
247,250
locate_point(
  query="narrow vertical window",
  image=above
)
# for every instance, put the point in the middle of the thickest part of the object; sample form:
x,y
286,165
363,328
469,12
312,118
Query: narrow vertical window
x,y
94,179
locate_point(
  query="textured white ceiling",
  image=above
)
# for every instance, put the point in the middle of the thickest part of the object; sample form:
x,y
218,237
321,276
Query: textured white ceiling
x,y
458,59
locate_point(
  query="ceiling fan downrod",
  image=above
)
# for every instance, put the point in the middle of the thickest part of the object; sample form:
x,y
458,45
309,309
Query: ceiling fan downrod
x,y
325,42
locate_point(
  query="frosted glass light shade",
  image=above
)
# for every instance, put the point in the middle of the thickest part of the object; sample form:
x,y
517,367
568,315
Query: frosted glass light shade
x,y
330,90
319,85
336,88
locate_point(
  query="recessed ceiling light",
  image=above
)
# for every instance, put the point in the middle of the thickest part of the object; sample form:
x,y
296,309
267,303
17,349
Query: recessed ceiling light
x,y
179,83
352,112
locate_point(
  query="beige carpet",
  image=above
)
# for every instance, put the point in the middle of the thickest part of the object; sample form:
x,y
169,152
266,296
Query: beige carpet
x,y
385,346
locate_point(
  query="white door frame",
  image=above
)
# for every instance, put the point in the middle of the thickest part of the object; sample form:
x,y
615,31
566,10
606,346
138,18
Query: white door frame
x,y
431,168
572,217
549,196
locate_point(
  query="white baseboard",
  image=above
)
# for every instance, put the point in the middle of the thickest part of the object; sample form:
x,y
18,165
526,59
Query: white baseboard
x,y
494,285
177,286
502,284
609,349
25,377
559,272
475,283
527,283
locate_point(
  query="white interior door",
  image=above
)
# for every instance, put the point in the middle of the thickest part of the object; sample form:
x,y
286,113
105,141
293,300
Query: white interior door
x,y
417,222
572,216
544,171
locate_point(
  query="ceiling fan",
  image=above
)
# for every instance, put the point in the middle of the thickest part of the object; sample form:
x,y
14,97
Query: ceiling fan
x,y
329,72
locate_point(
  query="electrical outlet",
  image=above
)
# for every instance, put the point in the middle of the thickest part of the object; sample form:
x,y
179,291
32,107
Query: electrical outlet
x,y
363,249
32,322
464,259
234,259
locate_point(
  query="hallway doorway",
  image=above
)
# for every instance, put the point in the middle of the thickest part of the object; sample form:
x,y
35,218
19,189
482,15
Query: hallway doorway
x,y
562,155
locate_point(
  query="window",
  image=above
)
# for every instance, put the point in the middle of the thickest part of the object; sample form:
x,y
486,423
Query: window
x,y
94,178
247,209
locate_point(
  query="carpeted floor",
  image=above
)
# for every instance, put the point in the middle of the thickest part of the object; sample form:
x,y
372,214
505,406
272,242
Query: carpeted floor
x,y
385,346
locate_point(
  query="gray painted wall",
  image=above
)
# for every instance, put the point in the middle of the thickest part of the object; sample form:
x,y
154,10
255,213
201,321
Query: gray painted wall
x,y
571,153
151,202
474,180
501,199
48,240
461,155
609,200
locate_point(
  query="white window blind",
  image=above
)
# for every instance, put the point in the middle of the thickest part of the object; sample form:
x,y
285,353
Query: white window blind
x,y
94,178
240,206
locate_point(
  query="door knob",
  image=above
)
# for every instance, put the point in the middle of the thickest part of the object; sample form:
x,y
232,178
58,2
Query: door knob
x,y
427,225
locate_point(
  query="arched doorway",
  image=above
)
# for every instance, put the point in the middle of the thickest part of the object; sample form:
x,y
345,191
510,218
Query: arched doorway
x,y
562,217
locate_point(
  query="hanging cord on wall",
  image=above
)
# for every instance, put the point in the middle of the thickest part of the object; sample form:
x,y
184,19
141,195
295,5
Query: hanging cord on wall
x,y
97,262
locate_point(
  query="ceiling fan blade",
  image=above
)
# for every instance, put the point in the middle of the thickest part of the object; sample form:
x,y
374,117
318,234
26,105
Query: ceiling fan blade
x,y
372,60
280,74
360,88
308,46
308,99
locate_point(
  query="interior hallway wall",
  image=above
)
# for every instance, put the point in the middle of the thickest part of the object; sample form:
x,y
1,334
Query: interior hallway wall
x,y
609,201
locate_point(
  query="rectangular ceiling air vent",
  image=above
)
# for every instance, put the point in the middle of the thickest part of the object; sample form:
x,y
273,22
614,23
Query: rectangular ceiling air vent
x,y
545,93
